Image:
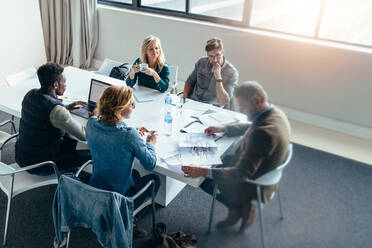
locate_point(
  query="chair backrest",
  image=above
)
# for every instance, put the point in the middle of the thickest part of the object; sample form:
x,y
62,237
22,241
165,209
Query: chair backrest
x,y
21,76
173,75
274,176
73,210
107,66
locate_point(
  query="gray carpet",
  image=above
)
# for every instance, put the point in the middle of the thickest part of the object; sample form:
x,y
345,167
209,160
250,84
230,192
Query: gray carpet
x,y
327,202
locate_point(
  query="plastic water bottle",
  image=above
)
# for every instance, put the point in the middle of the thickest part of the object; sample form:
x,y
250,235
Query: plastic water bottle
x,y
168,102
168,118
168,123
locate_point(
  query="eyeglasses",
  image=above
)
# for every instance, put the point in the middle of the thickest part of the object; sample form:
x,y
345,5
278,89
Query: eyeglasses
x,y
217,56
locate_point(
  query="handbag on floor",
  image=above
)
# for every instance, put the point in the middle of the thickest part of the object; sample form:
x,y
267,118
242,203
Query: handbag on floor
x,y
173,240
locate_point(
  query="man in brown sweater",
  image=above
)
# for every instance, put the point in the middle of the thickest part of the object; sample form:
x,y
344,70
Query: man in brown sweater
x,y
262,148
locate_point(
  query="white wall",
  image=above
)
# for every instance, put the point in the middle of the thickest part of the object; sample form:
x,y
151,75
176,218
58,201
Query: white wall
x,y
21,42
316,83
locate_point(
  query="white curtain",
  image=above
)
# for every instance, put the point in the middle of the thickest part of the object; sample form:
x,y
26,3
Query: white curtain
x,y
70,31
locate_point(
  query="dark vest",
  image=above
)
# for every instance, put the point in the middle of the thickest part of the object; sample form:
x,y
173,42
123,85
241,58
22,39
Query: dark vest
x,y
38,140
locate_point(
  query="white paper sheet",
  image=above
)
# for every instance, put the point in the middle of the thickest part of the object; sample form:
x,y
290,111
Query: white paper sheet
x,y
144,94
195,140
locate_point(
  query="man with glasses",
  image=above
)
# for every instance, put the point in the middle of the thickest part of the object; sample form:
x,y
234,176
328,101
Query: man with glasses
x,y
213,78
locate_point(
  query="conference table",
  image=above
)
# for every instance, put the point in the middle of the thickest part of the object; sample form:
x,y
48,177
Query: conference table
x,y
148,114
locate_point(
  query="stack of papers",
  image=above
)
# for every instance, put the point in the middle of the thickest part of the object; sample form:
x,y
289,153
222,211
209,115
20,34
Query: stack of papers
x,y
194,140
195,149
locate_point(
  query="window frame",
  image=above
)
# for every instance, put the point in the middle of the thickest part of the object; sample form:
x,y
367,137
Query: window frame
x,y
245,23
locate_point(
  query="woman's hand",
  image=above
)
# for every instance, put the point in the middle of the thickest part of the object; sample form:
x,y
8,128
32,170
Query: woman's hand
x,y
135,69
152,137
149,71
142,131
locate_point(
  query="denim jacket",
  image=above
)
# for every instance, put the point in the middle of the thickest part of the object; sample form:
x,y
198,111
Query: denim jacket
x,y
108,214
113,149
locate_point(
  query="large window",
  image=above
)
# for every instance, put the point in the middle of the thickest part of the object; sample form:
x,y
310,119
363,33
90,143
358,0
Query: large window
x,y
346,21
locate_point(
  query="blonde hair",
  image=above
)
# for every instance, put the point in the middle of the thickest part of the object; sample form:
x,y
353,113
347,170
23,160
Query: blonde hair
x,y
160,61
112,102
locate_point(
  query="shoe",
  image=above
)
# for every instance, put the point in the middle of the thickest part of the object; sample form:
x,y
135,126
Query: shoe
x,y
139,233
231,219
248,213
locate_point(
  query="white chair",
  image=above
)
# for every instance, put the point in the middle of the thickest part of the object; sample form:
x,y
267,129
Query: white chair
x,y
107,66
149,201
271,178
173,75
15,180
21,76
4,136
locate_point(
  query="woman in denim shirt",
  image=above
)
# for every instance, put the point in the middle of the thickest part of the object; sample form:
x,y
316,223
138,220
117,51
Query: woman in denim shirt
x,y
114,145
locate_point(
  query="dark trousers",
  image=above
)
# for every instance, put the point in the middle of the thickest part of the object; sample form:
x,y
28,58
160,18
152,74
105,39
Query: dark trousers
x,y
139,183
68,159
208,184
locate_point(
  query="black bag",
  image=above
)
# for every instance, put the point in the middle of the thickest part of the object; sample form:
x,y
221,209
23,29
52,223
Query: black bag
x,y
120,72
172,240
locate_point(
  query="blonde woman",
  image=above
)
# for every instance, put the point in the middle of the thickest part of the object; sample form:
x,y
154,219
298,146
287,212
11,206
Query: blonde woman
x,y
113,146
151,70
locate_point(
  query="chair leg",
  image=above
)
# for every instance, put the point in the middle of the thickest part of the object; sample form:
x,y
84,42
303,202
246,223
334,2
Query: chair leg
x,y
8,210
153,208
68,239
280,205
260,215
212,209
13,129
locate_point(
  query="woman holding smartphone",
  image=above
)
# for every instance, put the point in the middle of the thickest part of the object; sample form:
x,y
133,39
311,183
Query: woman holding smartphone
x,y
151,70
114,145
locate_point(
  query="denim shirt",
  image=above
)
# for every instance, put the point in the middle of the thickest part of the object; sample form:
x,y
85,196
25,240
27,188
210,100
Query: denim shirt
x,y
108,214
113,149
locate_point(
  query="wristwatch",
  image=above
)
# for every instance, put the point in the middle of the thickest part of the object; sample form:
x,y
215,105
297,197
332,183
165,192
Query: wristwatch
x,y
218,80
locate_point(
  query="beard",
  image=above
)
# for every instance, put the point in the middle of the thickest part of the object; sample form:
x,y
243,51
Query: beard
x,y
253,112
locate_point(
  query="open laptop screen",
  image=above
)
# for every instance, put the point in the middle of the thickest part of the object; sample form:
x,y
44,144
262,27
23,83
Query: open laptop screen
x,y
96,89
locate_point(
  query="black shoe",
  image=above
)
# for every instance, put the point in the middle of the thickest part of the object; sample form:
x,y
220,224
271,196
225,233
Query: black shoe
x,y
139,233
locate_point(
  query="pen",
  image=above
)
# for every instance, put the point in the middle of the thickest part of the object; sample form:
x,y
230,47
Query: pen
x,y
219,137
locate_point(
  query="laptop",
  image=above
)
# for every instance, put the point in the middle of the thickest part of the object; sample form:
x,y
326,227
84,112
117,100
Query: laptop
x,y
95,91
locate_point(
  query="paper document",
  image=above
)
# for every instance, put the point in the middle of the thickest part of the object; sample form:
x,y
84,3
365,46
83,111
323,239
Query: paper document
x,y
144,94
195,140
195,156
217,119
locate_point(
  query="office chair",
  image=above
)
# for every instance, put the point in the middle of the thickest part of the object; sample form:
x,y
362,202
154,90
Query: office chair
x,y
107,66
15,180
22,76
4,136
147,202
173,75
270,178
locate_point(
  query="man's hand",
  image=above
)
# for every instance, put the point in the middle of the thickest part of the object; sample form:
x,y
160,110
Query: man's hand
x,y
216,69
194,171
74,105
152,137
210,131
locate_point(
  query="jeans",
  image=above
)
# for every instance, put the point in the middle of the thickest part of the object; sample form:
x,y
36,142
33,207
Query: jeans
x,y
139,183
